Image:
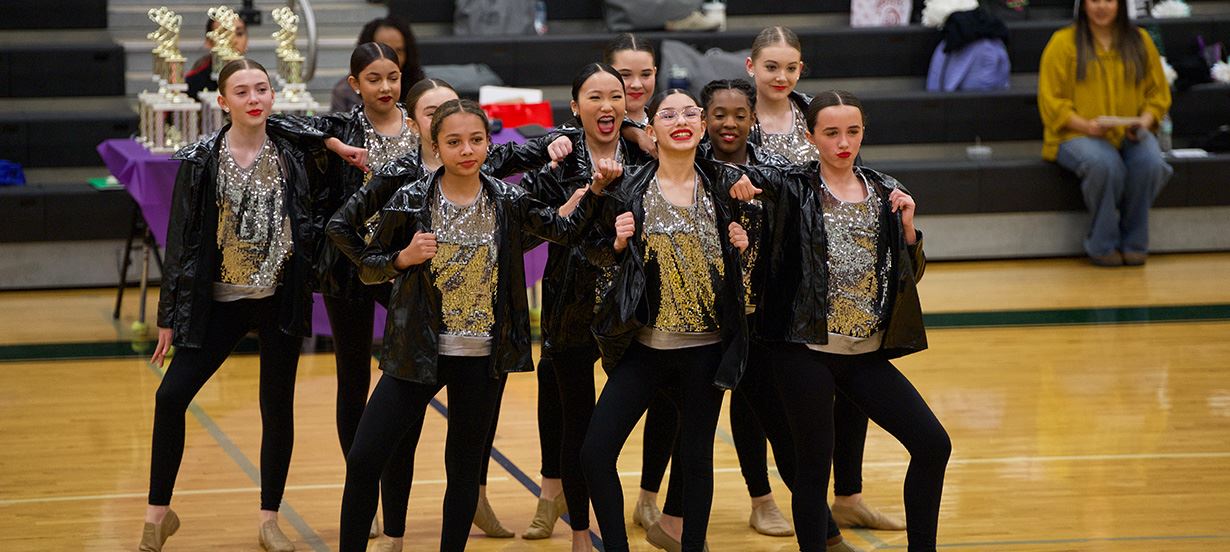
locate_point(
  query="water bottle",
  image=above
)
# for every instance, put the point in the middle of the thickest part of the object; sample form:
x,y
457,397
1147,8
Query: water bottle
x,y
540,17
1166,129
679,78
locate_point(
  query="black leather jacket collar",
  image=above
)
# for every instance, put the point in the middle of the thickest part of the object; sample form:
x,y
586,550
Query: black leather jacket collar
x,y
190,265
793,285
412,331
625,310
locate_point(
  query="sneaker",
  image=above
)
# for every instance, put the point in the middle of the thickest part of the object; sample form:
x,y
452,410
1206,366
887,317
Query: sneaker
x,y
695,21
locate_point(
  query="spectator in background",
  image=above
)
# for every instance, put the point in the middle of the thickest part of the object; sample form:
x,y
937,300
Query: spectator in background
x,y
1101,91
397,34
200,77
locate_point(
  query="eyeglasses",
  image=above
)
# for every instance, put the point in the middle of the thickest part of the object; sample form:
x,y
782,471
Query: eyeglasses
x,y
669,115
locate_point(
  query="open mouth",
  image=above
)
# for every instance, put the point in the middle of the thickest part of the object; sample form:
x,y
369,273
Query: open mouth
x,y
681,135
606,124
728,137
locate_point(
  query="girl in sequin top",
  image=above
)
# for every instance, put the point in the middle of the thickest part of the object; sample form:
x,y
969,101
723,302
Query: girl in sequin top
x,y
239,257
453,244
775,66
838,301
674,318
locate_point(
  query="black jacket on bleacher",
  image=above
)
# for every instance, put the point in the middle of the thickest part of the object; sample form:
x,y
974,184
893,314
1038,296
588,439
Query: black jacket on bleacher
x,y
191,263
792,288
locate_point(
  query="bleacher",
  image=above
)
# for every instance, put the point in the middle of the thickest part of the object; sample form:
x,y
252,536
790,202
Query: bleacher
x,y
71,68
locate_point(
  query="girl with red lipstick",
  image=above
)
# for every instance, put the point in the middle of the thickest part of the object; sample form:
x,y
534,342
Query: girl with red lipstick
x,y
775,66
837,302
397,160
452,243
634,59
239,257
570,284
673,319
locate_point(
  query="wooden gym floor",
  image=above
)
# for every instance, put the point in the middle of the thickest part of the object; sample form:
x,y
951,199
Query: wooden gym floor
x,y
1089,410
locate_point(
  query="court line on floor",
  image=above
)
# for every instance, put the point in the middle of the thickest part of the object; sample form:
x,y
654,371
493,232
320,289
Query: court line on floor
x,y
517,473
1075,540
286,511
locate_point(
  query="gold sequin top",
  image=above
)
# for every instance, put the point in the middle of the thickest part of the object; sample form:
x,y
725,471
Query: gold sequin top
x,y
383,149
254,233
792,145
683,246
464,267
854,295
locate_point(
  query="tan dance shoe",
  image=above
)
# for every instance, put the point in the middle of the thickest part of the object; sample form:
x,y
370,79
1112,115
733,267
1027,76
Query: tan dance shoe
x,y
867,517
375,530
658,538
273,539
545,517
388,545
484,519
645,513
767,519
154,535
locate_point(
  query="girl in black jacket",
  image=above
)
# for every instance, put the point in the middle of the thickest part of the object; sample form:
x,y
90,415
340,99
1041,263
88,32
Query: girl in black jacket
x,y
674,317
239,257
452,243
566,369
838,297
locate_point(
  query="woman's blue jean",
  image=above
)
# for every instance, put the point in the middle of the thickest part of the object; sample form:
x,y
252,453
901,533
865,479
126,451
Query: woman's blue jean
x,y
1119,186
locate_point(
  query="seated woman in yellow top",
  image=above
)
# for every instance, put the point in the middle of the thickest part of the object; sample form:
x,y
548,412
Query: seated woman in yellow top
x,y
1104,67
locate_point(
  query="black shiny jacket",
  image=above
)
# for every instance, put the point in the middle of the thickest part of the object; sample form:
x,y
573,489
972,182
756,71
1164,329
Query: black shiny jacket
x,y
626,309
411,336
569,280
793,284
800,99
348,226
191,263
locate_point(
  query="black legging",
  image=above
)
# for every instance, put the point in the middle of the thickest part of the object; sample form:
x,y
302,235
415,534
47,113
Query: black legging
x,y
806,380
191,367
757,397
849,435
574,376
661,425
394,408
550,422
629,388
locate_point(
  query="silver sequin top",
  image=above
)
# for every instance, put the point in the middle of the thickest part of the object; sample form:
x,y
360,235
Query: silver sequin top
x,y
683,243
792,145
383,149
254,233
854,294
465,272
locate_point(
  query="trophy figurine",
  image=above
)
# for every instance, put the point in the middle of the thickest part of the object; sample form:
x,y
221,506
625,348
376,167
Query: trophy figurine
x,y
223,37
294,97
169,118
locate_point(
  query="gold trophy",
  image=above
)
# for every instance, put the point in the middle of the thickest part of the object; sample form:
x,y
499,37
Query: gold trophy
x,y
294,97
169,104
223,37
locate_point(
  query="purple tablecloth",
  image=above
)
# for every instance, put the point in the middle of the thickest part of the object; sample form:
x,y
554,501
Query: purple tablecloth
x,y
150,178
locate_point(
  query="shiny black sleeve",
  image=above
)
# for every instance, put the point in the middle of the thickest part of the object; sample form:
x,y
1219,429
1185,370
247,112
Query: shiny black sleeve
x,y
542,220
398,224
504,160
348,227
172,264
